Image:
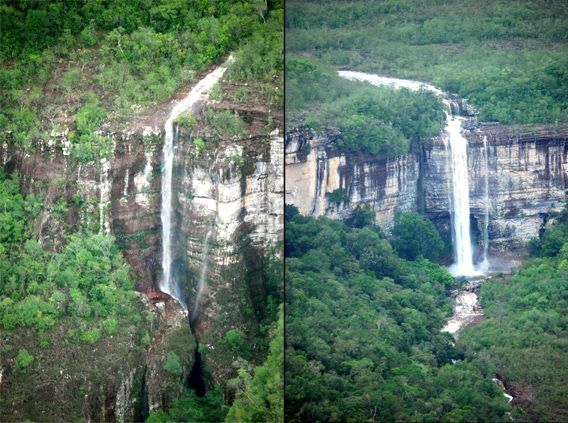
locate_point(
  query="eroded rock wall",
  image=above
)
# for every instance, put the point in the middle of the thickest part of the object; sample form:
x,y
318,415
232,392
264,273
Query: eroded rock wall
x,y
315,169
527,178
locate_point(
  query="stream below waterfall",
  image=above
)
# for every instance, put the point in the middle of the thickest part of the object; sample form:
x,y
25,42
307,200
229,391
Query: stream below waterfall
x,y
467,311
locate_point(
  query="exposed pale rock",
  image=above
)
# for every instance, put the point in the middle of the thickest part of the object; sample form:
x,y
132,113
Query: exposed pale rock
x,y
527,171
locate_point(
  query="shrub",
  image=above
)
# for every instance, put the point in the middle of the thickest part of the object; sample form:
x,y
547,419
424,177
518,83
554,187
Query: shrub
x,y
225,123
172,365
186,121
24,359
91,336
199,144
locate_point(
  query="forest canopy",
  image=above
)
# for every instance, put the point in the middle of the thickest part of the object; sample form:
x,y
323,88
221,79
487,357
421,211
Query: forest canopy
x,y
370,119
509,58
363,340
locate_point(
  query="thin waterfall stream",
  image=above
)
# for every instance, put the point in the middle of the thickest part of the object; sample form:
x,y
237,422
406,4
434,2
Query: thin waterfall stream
x,y
485,262
202,276
199,92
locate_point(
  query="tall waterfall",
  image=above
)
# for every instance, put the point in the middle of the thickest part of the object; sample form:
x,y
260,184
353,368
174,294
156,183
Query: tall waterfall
x,y
199,92
458,184
456,145
201,284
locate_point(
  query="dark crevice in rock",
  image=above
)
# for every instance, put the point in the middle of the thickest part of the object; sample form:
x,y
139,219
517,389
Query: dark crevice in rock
x,y
195,380
142,412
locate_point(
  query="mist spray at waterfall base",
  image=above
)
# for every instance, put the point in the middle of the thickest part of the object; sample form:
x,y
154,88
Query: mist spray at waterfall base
x,y
199,92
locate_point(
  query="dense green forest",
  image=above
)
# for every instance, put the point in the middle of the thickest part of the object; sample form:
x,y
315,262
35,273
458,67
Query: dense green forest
x,y
97,63
509,58
363,340
525,332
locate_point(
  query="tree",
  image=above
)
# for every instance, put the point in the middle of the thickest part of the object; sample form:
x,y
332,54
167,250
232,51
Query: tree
x,y
360,217
172,365
415,237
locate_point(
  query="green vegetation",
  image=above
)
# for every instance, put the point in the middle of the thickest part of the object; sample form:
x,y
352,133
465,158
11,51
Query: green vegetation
x,y
199,144
338,196
363,336
172,365
24,359
509,58
127,54
225,123
370,119
525,331
191,408
260,397
261,60
415,237
186,121
88,280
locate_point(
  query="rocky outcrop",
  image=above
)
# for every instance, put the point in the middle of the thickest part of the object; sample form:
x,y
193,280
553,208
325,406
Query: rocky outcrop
x,y
315,169
527,178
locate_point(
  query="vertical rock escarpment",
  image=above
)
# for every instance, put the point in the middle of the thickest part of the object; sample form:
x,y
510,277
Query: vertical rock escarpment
x,y
233,208
315,169
527,178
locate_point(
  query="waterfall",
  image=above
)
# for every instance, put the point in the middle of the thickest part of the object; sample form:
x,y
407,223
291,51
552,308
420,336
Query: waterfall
x,y
201,284
456,145
199,92
456,148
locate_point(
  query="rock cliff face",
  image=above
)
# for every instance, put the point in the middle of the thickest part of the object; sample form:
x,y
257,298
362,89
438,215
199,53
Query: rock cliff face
x,y
233,189
527,177
315,169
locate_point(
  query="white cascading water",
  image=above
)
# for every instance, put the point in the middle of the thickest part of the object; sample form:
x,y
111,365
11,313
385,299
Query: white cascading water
x,y
466,311
456,146
459,197
201,284
199,92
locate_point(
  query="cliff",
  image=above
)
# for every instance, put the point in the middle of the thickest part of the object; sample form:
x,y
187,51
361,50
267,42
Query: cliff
x,y
232,188
527,178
